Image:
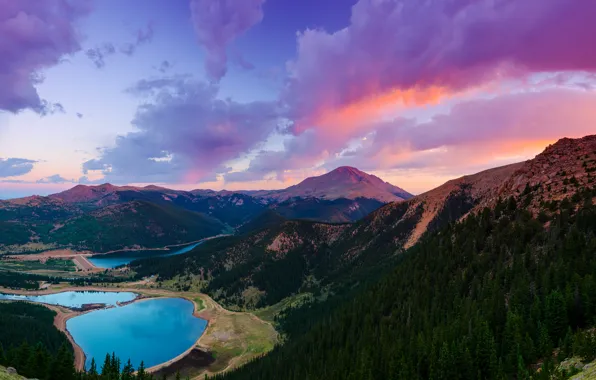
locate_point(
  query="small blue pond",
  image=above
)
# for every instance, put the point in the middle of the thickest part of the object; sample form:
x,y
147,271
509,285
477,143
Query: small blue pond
x,y
115,259
75,299
153,331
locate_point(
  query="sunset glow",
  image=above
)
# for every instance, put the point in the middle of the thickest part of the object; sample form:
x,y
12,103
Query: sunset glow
x,y
243,101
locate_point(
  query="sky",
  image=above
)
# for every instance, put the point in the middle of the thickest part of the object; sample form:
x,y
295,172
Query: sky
x,y
260,94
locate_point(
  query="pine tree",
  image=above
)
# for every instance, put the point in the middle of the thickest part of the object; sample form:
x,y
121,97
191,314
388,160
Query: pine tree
x,y
128,371
141,374
92,373
106,368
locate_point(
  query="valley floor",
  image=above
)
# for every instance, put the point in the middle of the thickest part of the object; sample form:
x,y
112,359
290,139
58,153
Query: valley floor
x,y
231,338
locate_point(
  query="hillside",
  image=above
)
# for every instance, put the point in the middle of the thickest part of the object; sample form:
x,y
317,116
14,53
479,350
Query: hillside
x,y
340,210
257,269
41,223
486,298
134,224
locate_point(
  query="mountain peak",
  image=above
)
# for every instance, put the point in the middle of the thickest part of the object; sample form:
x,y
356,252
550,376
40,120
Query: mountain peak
x,y
348,170
345,182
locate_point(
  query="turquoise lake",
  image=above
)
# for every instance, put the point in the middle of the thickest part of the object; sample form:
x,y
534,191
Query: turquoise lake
x,y
75,299
153,331
115,259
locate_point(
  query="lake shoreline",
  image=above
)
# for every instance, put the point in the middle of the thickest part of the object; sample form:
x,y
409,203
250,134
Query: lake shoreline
x,y
64,313
219,320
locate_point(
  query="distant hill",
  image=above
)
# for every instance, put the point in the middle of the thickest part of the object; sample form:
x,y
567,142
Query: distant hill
x,y
133,225
341,210
268,219
44,223
345,194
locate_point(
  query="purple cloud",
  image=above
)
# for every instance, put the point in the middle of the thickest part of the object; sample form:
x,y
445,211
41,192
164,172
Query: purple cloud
x,y
35,35
452,44
164,66
240,61
98,54
143,36
185,133
218,23
56,178
397,52
13,167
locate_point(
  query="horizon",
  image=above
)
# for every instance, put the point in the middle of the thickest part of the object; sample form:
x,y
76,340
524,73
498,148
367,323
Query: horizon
x,y
140,186
261,94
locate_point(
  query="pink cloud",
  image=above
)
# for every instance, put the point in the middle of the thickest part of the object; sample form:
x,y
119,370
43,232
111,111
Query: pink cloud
x,y
35,35
479,133
451,45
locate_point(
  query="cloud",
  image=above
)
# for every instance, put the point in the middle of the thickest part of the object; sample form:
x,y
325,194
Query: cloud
x,y
391,47
12,167
98,54
398,55
35,35
164,66
241,62
56,178
477,133
218,23
143,36
80,115
185,133
473,135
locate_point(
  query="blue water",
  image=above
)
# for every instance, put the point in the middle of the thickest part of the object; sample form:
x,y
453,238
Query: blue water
x,y
74,299
113,260
153,331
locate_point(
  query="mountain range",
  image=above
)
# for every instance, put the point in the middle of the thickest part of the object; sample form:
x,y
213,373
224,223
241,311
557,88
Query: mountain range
x,y
250,270
106,217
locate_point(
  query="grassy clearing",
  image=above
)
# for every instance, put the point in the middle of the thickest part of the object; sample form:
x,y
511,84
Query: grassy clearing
x,y
5,376
233,338
49,265
270,312
200,303
583,371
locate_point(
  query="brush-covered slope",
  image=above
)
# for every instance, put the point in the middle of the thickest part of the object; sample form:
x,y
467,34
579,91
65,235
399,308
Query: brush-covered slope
x,y
134,224
257,269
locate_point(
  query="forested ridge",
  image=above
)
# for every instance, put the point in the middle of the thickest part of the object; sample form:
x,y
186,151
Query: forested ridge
x,y
490,297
